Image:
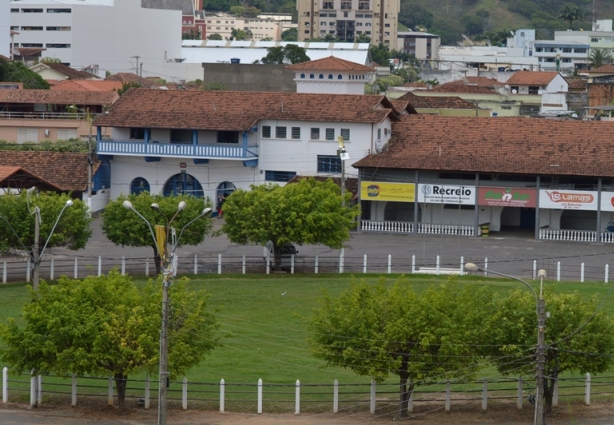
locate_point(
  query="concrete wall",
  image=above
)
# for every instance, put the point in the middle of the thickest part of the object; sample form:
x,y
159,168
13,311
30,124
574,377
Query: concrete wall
x,y
250,77
5,28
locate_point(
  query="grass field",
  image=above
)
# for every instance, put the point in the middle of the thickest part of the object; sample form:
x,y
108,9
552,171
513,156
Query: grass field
x,y
264,316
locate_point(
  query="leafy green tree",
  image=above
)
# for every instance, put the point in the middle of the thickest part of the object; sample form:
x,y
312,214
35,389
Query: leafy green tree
x,y
408,74
578,337
571,12
290,53
17,72
72,230
307,212
380,54
241,35
71,145
382,84
378,330
290,35
124,227
599,57
215,36
126,87
107,325
362,38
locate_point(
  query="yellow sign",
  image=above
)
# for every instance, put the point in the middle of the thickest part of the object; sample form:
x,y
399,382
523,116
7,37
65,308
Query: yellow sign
x,y
396,192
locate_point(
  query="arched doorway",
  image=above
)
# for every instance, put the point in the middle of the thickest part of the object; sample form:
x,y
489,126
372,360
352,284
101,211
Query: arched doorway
x,y
224,189
139,185
183,184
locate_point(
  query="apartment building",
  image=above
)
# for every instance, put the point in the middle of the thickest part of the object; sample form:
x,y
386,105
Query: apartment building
x,y
346,20
264,27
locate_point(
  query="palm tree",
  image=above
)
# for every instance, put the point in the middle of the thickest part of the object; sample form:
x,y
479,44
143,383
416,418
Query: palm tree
x,y
599,57
570,12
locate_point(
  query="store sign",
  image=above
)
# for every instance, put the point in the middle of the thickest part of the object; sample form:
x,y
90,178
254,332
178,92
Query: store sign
x,y
568,199
607,201
396,192
446,194
507,197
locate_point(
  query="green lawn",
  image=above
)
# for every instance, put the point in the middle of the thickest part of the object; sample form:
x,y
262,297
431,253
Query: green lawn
x,y
264,318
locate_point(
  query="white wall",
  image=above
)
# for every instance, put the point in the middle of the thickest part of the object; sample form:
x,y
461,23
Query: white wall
x,y
5,28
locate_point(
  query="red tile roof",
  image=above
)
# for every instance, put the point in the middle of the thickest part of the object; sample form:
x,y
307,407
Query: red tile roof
x,y
29,51
238,111
416,84
513,145
532,78
576,83
436,102
128,77
475,81
58,97
87,85
604,69
330,63
69,72
65,170
18,178
444,88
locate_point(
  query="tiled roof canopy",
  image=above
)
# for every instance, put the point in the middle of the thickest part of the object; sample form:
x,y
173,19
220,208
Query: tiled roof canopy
x,y
604,69
532,78
87,85
18,178
239,111
445,88
59,97
330,63
510,145
436,102
71,73
475,81
65,170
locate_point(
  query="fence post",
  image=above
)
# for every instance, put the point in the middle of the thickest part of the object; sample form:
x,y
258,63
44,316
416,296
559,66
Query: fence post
x,y
462,266
5,385
39,389
519,402
341,254
4,272
33,382
372,397
389,263
364,264
123,265
485,394
607,272
292,264
147,391
297,398
99,266
413,264
335,396
76,270
587,390
447,396
74,390
555,393
260,396
110,392
51,273
184,394
437,265
534,269
243,265
195,263
582,272
410,403
316,269
219,264
268,266
28,269
558,271
222,394
147,266
485,266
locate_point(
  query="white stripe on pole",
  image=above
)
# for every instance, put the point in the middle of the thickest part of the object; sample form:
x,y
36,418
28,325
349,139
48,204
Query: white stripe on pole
x,y
222,394
558,271
4,272
389,263
582,272
364,264
243,265
74,391
99,266
335,396
51,271
76,271
184,394
297,398
260,396
219,264
316,268
123,265
195,263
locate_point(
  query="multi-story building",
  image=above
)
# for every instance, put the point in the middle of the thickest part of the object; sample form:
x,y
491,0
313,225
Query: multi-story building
x,y
346,20
421,45
263,27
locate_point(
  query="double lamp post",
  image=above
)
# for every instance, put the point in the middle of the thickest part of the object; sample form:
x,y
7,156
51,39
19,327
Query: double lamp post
x,y
160,238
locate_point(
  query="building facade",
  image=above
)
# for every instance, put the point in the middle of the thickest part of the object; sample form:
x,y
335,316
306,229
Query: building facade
x,y
421,45
346,20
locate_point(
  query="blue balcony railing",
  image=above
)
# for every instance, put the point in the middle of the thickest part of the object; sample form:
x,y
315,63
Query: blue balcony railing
x,y
177,150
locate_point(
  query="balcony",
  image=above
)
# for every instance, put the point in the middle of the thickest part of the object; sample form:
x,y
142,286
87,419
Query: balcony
x,y
175,150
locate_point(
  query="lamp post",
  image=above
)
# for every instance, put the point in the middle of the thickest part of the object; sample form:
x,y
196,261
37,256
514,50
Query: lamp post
x,y
343,155
540,310
166,259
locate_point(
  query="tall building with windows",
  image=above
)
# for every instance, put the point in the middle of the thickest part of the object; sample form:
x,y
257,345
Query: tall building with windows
x,y
349,20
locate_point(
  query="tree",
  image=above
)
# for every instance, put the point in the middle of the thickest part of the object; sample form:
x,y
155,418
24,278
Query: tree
x,y
599,57
380,54
238,34
378,330
124,227
107,325
363,38
380,85
215,36
18,72
290,53
72,230
576,340
126,87
290,35
307,212
570,12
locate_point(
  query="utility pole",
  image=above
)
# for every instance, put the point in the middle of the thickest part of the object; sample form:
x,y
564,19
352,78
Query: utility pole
x,y
541,352
343,155
35,249
90,161
137,66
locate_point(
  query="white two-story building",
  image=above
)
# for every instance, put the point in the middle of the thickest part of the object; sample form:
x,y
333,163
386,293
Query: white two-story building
x,y
209,143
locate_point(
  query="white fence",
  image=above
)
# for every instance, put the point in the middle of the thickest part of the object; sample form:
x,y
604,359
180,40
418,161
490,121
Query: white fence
x,y
294,395
422,228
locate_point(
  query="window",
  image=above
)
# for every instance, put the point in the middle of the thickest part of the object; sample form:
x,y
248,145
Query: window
x,y
139,185
228,137
566,49
311,76
329,164
58,11
14,10
330,76
346,5
31,45
321,76
27,135
594,40
31,10
296,132
345,133
181,136
31,28
137,133
280,132
379,133
330,134
533,89
278,176
363,5
579,50
67,133
58,28
315,134
328,5
339,77
58,46
266,131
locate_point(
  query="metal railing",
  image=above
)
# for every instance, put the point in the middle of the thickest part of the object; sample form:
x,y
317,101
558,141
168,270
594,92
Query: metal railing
x,y
43,115
176,150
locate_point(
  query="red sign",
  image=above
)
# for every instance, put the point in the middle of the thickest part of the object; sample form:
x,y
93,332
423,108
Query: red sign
x,y
507,197
182,165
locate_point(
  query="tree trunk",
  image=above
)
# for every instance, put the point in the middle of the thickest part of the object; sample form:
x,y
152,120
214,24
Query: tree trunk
x,y
277,252
157,260
549,392
404,390
120,384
